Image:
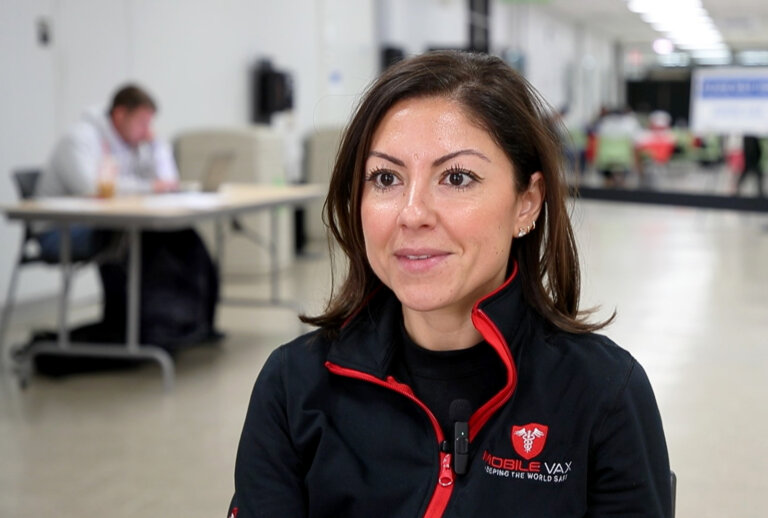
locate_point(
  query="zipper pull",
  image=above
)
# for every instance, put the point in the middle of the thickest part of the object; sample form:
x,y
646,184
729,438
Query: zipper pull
x,y
446,473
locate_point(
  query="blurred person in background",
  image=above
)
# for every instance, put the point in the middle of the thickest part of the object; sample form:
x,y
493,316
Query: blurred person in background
x,y
656,144
106,153
753,163
114,153
616,154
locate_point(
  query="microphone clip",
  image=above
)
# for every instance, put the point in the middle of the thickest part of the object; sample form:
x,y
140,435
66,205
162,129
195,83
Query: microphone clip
x,y
460,411
460,447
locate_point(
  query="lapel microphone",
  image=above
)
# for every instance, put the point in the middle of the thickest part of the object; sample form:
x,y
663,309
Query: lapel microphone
x,y
459,413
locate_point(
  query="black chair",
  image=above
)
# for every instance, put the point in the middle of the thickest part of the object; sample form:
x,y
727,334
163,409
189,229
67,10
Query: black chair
x,y
25,181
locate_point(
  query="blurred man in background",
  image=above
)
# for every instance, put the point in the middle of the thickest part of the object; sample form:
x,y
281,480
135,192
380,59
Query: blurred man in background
x,y
112,153
106,153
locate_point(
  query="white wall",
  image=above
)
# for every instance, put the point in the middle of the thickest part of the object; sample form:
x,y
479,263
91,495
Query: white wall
x,y
27,119
569,65
417,25
193,55
566,63
347,60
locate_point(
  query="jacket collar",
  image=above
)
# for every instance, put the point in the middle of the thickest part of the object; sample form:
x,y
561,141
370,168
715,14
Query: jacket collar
x,y
367,343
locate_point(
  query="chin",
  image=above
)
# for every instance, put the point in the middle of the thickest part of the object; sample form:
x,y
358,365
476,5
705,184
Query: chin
x,y
421,299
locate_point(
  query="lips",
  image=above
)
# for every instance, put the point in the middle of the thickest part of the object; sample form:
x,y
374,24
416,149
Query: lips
x,y
420,260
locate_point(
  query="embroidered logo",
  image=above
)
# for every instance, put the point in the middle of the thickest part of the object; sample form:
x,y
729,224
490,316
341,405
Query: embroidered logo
x,y
529,440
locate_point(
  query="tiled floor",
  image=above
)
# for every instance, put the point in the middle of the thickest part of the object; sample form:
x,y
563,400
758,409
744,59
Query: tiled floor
x,y
691,290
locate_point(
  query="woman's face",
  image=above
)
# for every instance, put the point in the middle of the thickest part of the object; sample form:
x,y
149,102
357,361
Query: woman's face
x,y
439,207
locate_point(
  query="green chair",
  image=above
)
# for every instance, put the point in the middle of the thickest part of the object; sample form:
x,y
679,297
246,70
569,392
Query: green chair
x,y
614,153
764,154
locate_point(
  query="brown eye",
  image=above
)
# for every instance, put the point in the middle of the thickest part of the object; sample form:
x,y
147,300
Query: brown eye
x,y
386,179
456,179
383,180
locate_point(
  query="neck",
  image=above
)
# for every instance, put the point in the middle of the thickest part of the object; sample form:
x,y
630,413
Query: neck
x,y
441,331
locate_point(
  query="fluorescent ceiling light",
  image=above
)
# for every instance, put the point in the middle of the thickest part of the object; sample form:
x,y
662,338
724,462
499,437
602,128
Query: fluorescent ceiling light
x,y
663,46
711,54
753,57
684,22
675,59
713,61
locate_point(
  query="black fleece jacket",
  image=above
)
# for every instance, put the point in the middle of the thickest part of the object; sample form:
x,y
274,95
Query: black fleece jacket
x,y
575,432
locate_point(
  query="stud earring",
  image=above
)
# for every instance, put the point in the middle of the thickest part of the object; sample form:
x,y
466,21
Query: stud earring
x,y
523,231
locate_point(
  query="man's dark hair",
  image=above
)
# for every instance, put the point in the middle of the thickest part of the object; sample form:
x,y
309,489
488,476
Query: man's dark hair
x,y
131,97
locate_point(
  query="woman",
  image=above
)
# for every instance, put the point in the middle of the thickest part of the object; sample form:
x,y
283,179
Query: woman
x,y
452,374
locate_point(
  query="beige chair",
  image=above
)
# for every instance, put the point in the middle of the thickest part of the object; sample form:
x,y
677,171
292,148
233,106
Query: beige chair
x,y
320,151
249,154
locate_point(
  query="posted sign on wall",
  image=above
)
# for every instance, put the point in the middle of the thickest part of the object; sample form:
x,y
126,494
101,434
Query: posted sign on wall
x,y
730,100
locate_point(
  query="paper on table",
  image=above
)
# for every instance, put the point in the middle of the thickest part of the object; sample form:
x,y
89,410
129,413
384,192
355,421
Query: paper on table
x,y
188,200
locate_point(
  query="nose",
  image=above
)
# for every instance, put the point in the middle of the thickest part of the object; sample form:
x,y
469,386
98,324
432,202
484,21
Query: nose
x,y
418,208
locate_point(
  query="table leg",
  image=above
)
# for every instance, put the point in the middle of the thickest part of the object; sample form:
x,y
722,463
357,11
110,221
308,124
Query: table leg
x,y
219,240
134,290
133,317
65,258
274,286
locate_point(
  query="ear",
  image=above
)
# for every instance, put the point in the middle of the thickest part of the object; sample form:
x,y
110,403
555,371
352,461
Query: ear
x,y
118,114
530,201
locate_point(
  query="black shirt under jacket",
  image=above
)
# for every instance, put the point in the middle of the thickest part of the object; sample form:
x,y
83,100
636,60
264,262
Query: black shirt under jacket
x,y
438,378
574,432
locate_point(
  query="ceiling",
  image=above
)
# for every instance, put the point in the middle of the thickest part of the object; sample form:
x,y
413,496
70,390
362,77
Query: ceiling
x,y
742,23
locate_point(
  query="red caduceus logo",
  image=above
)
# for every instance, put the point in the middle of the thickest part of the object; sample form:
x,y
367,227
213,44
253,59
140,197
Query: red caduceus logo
x,y
528,440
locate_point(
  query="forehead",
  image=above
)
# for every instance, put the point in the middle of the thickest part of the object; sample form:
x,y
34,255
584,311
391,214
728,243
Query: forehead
x,y
437,114
141,114
439,122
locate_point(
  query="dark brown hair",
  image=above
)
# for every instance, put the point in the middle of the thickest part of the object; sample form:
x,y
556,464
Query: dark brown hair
x,y
132,97
502,102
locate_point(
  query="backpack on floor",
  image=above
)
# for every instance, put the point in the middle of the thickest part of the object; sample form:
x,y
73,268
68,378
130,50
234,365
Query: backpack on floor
x,y
179,294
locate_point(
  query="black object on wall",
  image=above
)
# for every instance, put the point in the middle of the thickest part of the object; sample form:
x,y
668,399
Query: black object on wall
x,y
479,22
272,92
390,56
670,95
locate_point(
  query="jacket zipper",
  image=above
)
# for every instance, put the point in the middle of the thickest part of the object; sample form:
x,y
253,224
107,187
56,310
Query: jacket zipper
x,y
444,488
493,336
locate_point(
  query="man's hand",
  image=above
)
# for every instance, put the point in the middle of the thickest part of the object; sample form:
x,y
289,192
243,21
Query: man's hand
x,y
160,186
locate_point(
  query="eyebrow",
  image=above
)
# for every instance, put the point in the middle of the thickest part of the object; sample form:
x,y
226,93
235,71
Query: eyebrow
x,y
437,162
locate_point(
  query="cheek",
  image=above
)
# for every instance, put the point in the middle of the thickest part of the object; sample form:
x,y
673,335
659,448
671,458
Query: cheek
x,y
378,217
487,228
375,223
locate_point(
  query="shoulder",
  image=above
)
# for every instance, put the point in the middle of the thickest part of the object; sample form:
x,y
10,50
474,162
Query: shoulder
x,y
81,134
597,362
599,373
300,359
591,351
